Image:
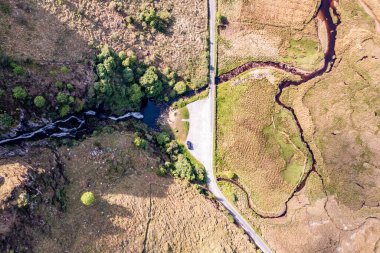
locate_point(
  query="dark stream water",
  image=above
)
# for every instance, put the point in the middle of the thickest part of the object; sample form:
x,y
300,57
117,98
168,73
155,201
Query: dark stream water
x,y
75,125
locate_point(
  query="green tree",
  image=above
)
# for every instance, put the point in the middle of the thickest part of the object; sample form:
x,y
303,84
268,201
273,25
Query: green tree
x,y
180,87
150,81
135,96
105,53
183,169
101,71
122,55
39,101
128,75
162,139
110,65
19,93
87,198
172,148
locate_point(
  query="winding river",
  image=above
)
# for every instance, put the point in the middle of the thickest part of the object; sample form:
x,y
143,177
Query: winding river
x,y
72,126
325,19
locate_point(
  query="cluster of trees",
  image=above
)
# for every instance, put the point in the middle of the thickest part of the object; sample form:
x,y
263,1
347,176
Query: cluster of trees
x,y
156,20
181,164
117,88
124,81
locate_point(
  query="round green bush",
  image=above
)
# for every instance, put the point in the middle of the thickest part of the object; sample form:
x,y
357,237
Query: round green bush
x,y
180,87
39,101
62,98
231,175
19,93
87,198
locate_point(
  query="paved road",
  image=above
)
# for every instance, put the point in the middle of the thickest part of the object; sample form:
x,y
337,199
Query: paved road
x,y
201,134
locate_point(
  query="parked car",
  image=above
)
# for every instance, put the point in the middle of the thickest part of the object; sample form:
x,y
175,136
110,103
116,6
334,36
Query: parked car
x,y
189,145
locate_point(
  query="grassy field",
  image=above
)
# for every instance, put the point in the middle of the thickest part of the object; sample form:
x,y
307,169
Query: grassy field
x,y
260,142
266,31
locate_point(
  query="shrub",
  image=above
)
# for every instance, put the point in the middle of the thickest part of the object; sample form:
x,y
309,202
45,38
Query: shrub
x,y
22,200
70,87
180,87
64,70
19,93
2,92
230,175
159,21
39,101
18,70
58,84
64,110
162,139
161,171
200,172
140,143
62,98
87,198
6,121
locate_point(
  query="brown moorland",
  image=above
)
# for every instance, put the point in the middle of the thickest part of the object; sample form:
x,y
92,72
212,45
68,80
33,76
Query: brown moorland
x,y
338,208
268,31
134,210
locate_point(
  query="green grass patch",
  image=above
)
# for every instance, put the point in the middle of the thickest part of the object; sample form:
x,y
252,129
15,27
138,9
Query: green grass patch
x,y
229,191
185,101
293,173
306,53
290,146
180,126
184,113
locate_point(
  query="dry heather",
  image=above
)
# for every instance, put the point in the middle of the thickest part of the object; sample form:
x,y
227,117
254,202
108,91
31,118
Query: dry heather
x,y
135,210
27,177
183,47
260,142
269,30
12,176
50,53
27,31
